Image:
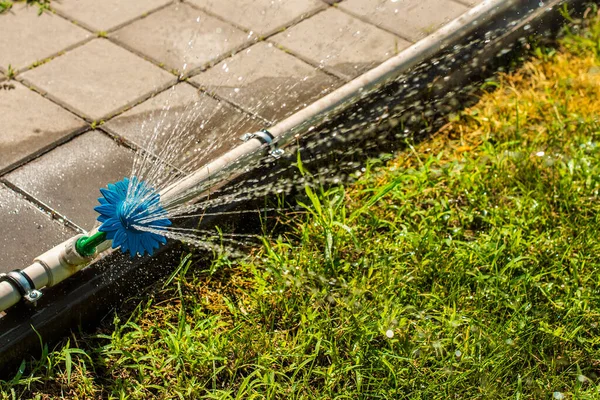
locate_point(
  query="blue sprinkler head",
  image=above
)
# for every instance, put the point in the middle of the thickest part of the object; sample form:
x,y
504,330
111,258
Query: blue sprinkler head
x,y
125,215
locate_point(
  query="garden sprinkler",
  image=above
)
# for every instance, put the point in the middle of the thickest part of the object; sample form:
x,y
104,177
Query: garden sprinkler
x,y
131,217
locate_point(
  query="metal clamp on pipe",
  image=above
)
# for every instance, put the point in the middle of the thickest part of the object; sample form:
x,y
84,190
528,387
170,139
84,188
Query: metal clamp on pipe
x,y
23,283
265,137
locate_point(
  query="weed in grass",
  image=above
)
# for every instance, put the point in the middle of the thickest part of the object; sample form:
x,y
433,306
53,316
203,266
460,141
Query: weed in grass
x,y
10,72
464,268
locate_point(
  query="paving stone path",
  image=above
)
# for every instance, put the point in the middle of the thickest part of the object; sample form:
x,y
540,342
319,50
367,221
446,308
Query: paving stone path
x,y
77,83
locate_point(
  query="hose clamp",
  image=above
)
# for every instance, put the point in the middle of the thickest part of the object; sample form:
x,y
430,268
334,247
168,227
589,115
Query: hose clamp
x,y
265,137
23,284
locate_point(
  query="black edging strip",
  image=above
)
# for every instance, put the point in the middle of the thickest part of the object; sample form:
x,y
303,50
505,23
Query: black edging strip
x,y
86,298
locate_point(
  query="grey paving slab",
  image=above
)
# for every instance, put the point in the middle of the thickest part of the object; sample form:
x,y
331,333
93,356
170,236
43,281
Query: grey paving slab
x,y
180,34
203,126
411,19
27,37
30,124
98,79
106,14
26,231
68,178
272,89
335,40
261,16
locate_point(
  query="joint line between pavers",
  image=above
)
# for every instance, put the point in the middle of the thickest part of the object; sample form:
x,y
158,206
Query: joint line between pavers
x,y
50,97
55,55
178,75
37,154
366,21
270,33
73,110
46,208
238,107
139,100
326,70
122,141
264,38
91,30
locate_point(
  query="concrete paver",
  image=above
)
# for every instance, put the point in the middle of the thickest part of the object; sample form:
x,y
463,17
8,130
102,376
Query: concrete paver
x,y
98,79
27,231
27,37
262,17
106,14
341,43
206,127
30,123
180,34
272,92
411,19
68,179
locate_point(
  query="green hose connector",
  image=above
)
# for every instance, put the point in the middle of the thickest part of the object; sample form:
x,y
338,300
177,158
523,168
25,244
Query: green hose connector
x,y
86,245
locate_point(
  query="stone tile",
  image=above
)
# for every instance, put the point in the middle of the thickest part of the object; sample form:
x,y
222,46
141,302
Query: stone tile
x,y
195,128
180,34
28,37
339,42
106,14
279,90
68,179
28,231
411,19
260,16
98,79
29,123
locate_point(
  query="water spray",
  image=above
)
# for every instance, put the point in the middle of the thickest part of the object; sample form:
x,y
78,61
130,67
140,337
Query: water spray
x,y
132,213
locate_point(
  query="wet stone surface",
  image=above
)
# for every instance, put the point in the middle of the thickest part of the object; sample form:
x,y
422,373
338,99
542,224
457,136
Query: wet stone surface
x,y
180,34
45,36
341,43
196,128
411,19
261,16
98,79
27,231
23,133
69,177
106,14
286,86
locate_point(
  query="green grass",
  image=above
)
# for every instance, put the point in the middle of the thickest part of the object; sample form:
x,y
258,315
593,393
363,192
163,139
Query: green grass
x,y
467,267
6,5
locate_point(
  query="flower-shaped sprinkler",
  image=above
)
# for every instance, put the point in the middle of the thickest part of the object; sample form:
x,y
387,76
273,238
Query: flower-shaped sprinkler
x,y
132,218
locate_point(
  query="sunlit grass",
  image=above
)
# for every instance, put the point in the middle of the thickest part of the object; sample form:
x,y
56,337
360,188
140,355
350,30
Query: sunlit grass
x,y
6,5
467,267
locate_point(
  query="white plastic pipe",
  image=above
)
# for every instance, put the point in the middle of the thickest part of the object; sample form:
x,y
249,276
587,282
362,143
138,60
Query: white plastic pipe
x,y
48,269
63,261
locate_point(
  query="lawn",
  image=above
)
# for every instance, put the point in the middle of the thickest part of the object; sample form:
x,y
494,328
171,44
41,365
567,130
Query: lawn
x,y
465,267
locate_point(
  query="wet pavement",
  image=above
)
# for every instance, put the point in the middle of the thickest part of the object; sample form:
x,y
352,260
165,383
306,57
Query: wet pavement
x,y
78,82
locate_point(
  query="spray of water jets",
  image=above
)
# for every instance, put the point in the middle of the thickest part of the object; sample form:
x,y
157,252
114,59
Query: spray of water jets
x,y
410,106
